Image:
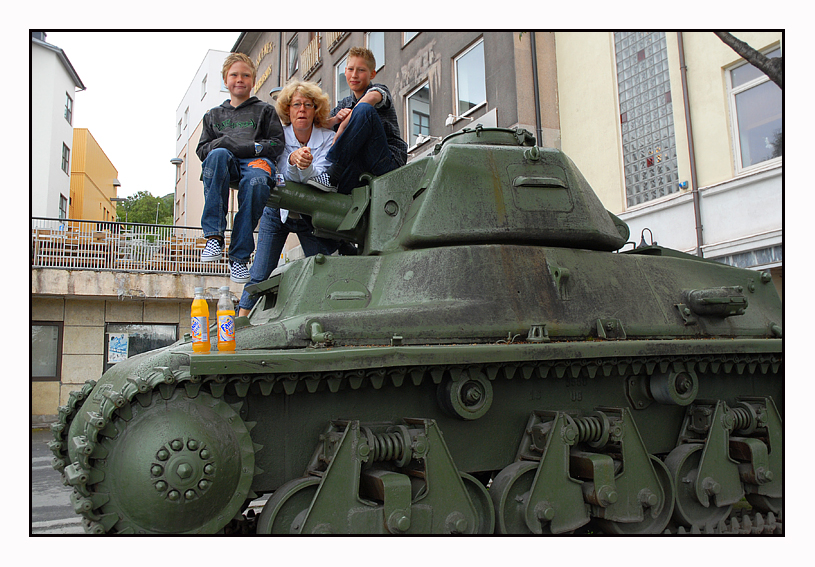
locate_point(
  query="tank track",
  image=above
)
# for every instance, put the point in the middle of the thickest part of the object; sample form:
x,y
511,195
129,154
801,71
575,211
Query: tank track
x,y
82,475
743,522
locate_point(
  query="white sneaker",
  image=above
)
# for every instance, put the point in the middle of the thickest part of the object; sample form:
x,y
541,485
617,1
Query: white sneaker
x,y
238,273
322,182
212,251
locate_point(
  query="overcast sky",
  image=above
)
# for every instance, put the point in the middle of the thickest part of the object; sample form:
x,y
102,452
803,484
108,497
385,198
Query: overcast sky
x,y
134,83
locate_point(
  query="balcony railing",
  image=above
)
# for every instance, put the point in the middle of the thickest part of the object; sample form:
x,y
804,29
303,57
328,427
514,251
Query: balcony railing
x,y
310,57
334,38
131,247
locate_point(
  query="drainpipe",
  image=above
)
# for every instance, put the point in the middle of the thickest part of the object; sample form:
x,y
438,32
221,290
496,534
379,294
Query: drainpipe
x,y
280,58
536,88
697,213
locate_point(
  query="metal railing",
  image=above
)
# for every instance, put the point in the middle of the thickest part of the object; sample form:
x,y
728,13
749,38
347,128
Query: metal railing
x,y
310,57
131,247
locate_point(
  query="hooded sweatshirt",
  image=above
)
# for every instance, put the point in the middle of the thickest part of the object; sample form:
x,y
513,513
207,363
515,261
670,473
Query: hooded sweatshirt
x,y
253,121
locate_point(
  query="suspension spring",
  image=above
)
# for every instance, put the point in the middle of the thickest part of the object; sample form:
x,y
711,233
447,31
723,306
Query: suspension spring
x,y
745,418
741,418
592,429
394,445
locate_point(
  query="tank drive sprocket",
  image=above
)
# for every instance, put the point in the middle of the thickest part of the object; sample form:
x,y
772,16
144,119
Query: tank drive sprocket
x,y
177,465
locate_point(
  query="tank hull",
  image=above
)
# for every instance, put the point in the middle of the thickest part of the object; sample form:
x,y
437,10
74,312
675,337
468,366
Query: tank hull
x,y
486,364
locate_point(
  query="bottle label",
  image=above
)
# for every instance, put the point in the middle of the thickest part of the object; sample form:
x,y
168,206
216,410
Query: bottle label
x,y
226,328
200,332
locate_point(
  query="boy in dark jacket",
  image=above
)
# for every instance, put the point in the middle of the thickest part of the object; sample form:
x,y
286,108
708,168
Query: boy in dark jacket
x,y
240,142
368,138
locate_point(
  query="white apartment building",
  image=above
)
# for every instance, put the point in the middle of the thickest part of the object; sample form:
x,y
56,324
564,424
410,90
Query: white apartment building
x,y
54,82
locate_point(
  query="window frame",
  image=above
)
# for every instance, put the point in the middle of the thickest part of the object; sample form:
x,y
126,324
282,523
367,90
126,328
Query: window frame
x,y
293,43
456,98
66,159
379,62
409,115
204,86
58,367
337,74
406,39
69,109
732,92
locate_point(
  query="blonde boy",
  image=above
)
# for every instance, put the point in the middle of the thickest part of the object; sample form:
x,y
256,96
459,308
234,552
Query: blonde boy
x,y
240,143
368,137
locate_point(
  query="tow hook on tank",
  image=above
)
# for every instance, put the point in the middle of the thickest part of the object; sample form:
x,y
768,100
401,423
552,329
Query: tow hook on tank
x,y
317,334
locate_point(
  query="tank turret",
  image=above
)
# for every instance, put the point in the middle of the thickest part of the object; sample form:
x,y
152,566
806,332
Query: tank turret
x,y
475,188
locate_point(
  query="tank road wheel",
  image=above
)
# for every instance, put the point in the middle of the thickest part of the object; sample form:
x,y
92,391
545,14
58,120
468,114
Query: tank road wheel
x,y
285,511
683,463
181,465
482,502
510,494
651,524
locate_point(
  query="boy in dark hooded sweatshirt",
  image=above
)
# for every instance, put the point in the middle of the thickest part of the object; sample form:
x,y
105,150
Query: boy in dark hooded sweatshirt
x,y
240,142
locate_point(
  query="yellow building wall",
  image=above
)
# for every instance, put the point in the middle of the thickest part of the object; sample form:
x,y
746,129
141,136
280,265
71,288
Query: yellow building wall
x,y
708,61
590,115
589,111
92,178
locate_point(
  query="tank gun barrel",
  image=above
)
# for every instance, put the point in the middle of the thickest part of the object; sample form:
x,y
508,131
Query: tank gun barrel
x,y
332,214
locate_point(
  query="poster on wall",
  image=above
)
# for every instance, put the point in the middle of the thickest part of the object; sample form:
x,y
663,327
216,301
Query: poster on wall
x,y
117,347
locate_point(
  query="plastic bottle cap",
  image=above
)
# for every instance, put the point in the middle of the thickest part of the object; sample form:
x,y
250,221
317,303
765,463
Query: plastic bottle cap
x,y
225,288
199,290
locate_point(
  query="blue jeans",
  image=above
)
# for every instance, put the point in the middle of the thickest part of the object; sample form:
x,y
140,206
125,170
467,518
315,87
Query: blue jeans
x,y
362,147
255,178
272,234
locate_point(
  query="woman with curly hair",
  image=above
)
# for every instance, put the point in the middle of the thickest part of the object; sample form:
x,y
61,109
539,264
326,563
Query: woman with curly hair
x,y
303,109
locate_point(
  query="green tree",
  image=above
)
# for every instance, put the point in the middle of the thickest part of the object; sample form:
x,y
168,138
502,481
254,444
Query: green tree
x,y
143,207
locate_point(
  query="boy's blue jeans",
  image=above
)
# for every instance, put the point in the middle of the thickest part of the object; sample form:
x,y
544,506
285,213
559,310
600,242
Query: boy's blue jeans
x,y
362,147
255,177
272,234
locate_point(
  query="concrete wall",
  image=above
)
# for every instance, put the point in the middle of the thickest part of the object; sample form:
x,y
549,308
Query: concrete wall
x,y
85,300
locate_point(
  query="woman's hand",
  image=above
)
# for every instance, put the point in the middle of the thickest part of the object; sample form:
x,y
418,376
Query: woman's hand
x,y
301,158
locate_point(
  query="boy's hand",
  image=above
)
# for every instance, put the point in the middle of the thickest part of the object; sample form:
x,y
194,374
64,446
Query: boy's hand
x,y
238,149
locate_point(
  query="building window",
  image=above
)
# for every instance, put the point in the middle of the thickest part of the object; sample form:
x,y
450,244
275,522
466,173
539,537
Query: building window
x,y
186,117
471,86
376,43
66,159
646,116
123,340
293,56
755,111
178,129
204,87
418,108
46,350
63,207
69,108
407,36
342,89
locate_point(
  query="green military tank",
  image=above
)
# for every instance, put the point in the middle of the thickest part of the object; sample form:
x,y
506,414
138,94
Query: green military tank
x,y
490,362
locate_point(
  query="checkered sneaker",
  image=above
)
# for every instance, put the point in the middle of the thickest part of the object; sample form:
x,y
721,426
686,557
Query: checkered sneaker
x,y
322,182
212,251
238,272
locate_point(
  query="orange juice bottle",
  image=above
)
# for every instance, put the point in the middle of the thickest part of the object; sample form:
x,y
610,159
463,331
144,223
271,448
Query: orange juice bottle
x,y
200,322
226,321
